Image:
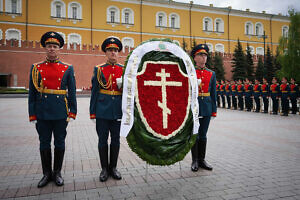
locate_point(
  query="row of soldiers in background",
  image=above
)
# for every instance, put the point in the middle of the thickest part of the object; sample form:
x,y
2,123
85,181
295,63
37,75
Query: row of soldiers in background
x,y
236,94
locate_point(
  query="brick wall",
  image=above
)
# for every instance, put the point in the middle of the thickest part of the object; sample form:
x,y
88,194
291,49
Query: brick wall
x,y
16,61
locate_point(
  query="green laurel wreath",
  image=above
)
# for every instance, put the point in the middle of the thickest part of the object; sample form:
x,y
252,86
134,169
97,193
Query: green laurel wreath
x,y
149,148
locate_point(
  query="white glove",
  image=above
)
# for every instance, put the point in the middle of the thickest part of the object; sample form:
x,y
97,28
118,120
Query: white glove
x,y
93,120
119,82
199,81
70,119
33,122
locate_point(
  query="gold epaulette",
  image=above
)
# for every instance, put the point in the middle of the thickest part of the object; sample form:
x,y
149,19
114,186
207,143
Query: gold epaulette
x,y
65,63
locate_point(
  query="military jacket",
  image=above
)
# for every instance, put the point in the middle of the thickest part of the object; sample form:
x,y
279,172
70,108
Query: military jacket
x,y
52,91
106,97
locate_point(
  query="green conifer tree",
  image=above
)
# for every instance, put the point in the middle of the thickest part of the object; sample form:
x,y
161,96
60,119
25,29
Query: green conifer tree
x,y
239,63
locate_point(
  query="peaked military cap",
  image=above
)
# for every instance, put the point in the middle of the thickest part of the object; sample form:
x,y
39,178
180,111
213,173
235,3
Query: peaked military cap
x,y
52,37
201,48
111,42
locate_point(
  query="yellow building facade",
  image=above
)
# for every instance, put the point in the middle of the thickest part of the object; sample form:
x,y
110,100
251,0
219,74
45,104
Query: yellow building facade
x,y
134,21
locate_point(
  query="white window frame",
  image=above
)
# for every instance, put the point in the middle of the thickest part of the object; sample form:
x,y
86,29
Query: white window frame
x,y
210,24
53,8
1,37
176,20
69,39
217,48
1,5
130,17
8,7
164,19
250,28
258,49
221,25
261,30
117,14
13,29
210,47
285,28
70,10
252,50
131,45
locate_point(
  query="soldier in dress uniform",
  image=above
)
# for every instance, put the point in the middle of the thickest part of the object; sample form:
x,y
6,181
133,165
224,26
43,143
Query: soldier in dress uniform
x,y
105,107
265,93
233,88
51,104
218,92
228,94
285,96
257,94
294,95
248,94
274,91
222,93
240,94
207,105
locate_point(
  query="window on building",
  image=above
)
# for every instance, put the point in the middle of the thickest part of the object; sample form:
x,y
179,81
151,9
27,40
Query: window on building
x,y
260,51
207,24
219,48
74,10
113,14
75,39
128,42
1,37
285,31
174,20
13,34
219,25
248,28
127,16
161,19
1,5
251,50
12,6
58,9
258,29
210,47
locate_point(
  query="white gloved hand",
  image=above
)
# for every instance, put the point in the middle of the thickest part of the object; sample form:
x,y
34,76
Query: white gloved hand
x,y
33,122
199,81
93,120
70,119
119,82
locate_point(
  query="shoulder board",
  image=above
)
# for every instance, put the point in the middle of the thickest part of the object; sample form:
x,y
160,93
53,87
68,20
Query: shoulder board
x,y
65,63
119,65
38,63
101,65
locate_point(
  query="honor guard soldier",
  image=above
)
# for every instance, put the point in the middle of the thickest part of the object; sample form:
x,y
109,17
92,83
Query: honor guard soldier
x,y
248,95
228,94
52,103
218,92
207,105
240,94
257,94
222,93
265,93
274,91
285,96
294,95
105,107
234,94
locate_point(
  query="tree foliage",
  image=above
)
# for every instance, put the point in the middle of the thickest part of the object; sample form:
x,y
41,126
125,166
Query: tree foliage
x,y
249,65
218,66
259,73
239,63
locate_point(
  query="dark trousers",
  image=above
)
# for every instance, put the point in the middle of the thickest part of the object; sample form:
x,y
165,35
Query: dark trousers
x,y
228,101
248,102
266,104
294,105
223,101
103,127
241,102
285,105
275,104
234,103
45,128
257,103
204,124
218,100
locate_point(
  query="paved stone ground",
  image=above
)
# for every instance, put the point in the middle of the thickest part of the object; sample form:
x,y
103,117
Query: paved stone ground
x,y
255,156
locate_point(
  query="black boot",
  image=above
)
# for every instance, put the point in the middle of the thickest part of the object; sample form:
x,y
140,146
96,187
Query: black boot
x,y
114,154
47,169
103,154
195,159
202,150
58,161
